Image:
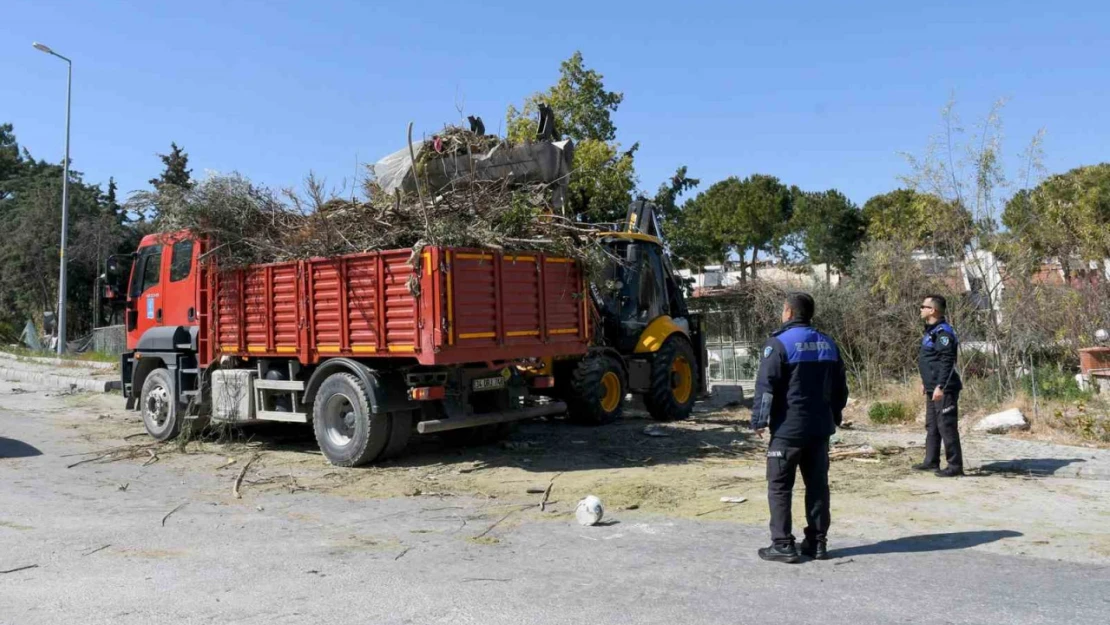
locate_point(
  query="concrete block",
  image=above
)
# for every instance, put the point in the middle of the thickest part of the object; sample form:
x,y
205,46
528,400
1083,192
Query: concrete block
x,y
1002,422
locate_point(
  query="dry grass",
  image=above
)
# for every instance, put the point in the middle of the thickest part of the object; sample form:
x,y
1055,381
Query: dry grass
x,y
1083,423
1066,422
909,395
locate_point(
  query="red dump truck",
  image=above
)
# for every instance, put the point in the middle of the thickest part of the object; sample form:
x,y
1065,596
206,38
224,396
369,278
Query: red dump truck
x,y
457,338
371,348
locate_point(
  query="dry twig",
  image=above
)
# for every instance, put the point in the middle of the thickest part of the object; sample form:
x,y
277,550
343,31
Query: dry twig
x,y
168,514
239,478
96,550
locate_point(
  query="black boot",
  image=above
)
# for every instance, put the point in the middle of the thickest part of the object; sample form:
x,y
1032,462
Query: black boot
x,y
925,466
780,553
813,548
949,472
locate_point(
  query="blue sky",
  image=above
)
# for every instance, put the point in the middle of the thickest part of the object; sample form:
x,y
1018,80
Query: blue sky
x,y
820,94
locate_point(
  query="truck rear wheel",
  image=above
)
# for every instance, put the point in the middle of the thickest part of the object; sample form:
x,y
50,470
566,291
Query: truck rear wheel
x,y
597,389
162,414
400,431
673,374
346,430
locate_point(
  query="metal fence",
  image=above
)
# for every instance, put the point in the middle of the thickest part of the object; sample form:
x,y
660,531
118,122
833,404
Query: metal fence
x,y
733,348
109,340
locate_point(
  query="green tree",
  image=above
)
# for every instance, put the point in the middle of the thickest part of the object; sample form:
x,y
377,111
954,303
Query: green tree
x,y
680,223
601,186
666,198
604,176
831,228
11,163
30,215
735,216
919,219
581,105
1065,216
176,170
110,202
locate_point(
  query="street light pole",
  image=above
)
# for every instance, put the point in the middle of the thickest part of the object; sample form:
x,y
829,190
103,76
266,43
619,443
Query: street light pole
x,y
65,207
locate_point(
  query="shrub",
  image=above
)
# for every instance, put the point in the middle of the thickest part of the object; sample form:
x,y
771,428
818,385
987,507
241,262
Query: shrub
x,y
1054,383
885,413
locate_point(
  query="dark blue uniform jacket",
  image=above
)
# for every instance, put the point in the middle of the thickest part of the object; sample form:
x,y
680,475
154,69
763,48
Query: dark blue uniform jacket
x,y
801,390
936,359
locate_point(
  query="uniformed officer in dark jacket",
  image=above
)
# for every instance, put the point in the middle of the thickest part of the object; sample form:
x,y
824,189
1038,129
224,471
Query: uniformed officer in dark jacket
x,y
800,394
941,384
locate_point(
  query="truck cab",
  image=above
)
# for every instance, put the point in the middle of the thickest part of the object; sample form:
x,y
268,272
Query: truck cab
x,y
162,287
159,284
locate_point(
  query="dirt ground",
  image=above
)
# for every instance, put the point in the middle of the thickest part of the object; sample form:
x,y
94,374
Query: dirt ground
x,y
637,467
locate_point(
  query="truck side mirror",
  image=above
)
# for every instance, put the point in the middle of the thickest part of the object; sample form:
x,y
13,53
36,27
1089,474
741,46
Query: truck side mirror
x,y
116,271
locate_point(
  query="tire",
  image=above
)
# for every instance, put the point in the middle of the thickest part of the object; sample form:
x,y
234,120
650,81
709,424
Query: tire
x,y
596,391
674,375
162,414
400,431
349,435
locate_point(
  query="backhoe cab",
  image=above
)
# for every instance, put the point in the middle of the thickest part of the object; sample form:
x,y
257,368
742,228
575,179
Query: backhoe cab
x,y
645,339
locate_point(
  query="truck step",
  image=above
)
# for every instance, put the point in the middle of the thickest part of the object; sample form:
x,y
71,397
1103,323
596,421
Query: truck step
x,y
189,371
279,385
289,417
443,425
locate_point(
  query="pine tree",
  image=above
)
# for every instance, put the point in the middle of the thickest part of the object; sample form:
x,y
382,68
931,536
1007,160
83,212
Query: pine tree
x,y
176,172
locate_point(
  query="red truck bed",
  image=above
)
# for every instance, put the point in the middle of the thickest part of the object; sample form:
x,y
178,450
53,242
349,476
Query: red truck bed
x,y
444,306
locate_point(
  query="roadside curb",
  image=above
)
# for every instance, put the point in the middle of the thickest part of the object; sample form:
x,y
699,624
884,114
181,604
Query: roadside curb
x,y
58,362
62,382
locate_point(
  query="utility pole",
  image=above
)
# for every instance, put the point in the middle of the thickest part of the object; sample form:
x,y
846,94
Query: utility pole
x,y
62,260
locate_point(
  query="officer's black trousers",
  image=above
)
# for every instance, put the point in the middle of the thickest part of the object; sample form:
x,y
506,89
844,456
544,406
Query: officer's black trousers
x,y
942,423
783,458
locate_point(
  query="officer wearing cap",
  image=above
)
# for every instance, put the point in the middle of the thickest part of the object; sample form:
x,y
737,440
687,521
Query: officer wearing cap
x,y
936,360
800,395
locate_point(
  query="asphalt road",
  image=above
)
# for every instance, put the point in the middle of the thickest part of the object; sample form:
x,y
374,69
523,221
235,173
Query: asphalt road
x,y
105,554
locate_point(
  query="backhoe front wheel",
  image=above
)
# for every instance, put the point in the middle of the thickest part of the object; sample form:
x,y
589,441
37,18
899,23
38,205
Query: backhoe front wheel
x,y
597,389
673,378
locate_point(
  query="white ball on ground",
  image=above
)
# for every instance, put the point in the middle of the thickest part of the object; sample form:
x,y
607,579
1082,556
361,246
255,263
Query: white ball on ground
x,y
1102,336
589,511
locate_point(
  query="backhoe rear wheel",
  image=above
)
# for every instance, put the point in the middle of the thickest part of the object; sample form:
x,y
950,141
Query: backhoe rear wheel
x,y
597,389
673,378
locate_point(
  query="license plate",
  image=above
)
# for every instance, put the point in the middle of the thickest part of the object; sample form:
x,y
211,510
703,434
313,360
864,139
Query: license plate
x,y
489,384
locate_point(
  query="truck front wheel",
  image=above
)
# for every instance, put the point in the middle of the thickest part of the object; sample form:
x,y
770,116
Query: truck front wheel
x,y
162,414
348,433
673,378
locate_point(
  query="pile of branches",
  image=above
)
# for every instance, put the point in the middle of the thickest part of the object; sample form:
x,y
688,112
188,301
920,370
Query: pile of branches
x,y
455,140
249,224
